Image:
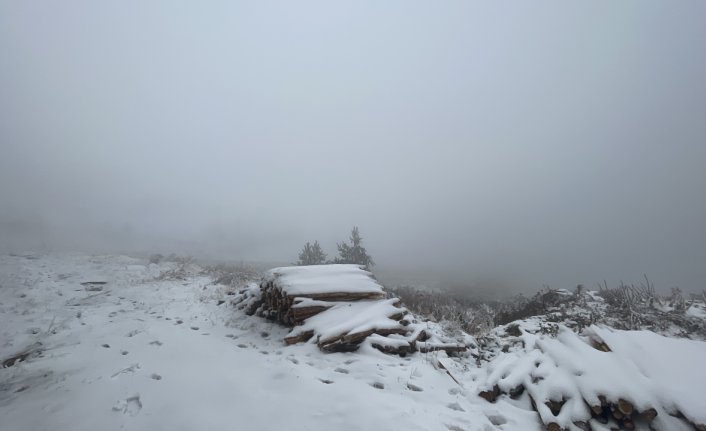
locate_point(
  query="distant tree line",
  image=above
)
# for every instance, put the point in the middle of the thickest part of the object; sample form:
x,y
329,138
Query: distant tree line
x,y
348,252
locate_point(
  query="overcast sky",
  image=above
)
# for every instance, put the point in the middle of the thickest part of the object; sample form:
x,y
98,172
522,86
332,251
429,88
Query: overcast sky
x,y
533,142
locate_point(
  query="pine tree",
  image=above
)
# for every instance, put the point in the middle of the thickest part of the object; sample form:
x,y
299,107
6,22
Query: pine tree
x,y
354,252
311,254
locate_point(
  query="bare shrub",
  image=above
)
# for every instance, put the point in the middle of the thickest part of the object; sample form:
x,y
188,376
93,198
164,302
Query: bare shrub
x,y
521,307
181,270
232,275
676,300
456,312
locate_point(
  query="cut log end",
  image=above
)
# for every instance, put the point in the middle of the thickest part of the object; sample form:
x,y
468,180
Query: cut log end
x,y
625,407
490,395
649,414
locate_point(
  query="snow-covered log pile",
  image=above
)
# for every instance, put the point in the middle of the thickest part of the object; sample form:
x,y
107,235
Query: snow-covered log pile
x,y
338,307
603,379
294,293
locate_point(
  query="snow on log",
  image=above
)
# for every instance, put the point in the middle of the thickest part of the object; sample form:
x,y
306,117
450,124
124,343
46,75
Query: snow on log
x,y
285,290
324,281
425,347
612,377
352,322
338,307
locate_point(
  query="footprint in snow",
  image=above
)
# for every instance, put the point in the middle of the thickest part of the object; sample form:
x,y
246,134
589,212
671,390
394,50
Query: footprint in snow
x,y
341,370
156,343
194,328
292,360
179,322
107,346
455,406
124,352
378,385
132,333
497,420
326,381
155,376
242,346
131,369
414,388
129,406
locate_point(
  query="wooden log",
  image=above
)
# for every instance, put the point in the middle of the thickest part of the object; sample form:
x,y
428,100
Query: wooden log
x,y
299,314
553,426
358,337
398,316
555,406
649,414
252,308
302,337
401,350
342,296
625,407
601,411
600,345
628,423
582,425
440,365
339,346
517,391
448,348
490,395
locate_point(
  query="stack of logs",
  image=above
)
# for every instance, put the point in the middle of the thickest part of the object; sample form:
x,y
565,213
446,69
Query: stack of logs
x,y
293,310
622,412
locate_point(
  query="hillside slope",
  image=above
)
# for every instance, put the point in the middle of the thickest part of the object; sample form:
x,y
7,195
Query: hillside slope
x,y
117,343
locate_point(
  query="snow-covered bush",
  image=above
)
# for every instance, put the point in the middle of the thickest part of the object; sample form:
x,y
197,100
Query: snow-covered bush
x,y
472,317
179,268
233,275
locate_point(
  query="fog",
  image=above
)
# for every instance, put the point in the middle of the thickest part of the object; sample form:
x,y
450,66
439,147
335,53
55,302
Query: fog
x,y
509,144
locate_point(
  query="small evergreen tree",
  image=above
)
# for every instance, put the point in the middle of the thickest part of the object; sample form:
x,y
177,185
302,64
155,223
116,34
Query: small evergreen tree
x,y
311,254
354,252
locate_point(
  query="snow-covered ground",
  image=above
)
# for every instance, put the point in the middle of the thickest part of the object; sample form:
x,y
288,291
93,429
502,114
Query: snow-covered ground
x,y
142,352
149,355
